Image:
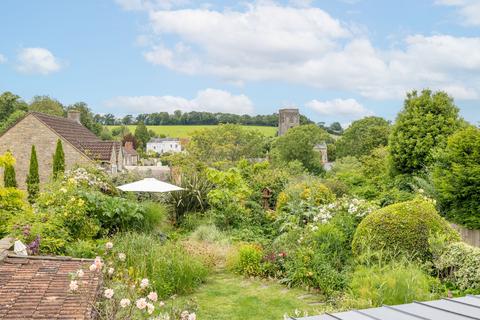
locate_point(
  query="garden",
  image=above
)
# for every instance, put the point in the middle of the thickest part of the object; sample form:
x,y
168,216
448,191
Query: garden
x,y
261,230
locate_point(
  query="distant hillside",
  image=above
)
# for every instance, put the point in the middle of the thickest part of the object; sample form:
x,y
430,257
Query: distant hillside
x,y
185,131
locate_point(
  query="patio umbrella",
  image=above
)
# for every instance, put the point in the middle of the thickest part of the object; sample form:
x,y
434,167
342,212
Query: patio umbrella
x,y
149,185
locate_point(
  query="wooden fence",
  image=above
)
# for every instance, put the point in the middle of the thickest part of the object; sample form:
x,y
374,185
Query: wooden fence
x,y
472,237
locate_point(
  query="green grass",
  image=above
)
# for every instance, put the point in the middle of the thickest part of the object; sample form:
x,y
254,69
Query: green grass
x,y
187,130
227,296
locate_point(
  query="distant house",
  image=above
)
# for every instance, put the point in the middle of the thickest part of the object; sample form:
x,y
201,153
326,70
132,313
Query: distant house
x,y
80,145
131,155
163,145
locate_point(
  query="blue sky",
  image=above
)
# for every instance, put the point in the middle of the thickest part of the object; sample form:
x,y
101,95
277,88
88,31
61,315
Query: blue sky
x,y
335,60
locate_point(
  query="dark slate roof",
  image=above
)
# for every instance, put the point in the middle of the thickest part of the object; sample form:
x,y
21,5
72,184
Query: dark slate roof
x,y
38,288
79,136
445,309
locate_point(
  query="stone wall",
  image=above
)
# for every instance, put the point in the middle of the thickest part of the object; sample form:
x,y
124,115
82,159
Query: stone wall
x,y
287,118
30,131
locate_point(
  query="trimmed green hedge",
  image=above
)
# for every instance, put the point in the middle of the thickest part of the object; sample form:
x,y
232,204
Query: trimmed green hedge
x,y
402,229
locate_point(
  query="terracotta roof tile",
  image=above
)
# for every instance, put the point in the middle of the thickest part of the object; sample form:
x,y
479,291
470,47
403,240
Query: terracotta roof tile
x,y
79,136
36,288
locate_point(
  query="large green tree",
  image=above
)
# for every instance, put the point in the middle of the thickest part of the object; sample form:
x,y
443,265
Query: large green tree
x,y
142,135
426,121
298,144
456,177
228,142
10,103
33,178
45,104
363,136
58,160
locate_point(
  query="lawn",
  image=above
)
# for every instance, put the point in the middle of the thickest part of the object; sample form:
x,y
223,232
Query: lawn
x,y
227,296
187,130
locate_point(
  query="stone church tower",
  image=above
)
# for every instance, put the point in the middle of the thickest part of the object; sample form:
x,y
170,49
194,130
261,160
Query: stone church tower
x,y
287,118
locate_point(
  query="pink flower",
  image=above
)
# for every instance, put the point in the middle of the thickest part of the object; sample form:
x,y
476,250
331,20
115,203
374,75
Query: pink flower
x,y
144,283
192,316
80,273
152,296
98,263
125,303
141,303
108,293
73,285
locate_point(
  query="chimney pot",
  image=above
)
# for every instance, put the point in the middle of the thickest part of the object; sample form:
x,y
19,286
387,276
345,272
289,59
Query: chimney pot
x,y
74,115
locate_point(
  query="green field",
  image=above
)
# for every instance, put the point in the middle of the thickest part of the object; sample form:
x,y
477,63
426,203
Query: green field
x,y
186,130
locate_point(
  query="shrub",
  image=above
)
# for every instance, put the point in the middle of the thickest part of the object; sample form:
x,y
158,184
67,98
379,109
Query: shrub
x,y
9,177
58,168
171,269
208,233
402,229
33,179
394,283
247,260
82,249
312,191
458,263
155,216
11,204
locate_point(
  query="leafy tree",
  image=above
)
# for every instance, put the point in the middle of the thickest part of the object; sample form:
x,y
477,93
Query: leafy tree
x,y
363,136
456,177
58,160
128,119
87,118
33,179
335,128
229,142
45,104
298,144
426,121
142,135
9,104
9,177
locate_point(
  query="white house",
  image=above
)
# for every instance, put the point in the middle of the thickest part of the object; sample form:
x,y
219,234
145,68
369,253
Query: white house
x,y
162,145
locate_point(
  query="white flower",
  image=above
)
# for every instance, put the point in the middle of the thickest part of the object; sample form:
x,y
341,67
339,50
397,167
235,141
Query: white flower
x,y
109,245
110,271
125,303
98,263
192,316
141,303
64,190
184,315
152,296
150,308
122,256
73,285
161,303
108,293
93,267
144,283
80,273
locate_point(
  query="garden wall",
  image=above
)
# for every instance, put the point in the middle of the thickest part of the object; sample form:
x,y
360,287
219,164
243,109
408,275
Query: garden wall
x,y
472,237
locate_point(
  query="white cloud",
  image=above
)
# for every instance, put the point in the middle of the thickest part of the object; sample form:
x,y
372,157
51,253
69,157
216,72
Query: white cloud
x,y
212,100
3,59
339,107
37,60
305,45
469,10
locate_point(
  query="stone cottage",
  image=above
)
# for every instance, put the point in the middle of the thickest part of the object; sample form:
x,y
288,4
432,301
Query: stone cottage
x,y
80,145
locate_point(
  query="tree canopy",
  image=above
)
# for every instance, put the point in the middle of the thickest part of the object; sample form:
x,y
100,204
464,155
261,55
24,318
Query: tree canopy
x,y
456,177
426,121
45,104
363,136
298,144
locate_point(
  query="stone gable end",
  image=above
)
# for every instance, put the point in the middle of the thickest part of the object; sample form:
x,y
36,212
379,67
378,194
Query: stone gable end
x,y
31,131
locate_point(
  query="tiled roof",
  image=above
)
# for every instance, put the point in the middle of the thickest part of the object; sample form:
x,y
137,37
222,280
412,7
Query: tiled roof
x,y
156,140
79,136
38,288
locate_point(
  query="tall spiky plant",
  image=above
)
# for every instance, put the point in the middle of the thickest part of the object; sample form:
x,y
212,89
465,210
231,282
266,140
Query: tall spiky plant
x,y
9,177
33,179
58,160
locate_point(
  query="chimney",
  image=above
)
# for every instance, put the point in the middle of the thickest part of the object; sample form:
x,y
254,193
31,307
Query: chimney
x,y
128,145
74,115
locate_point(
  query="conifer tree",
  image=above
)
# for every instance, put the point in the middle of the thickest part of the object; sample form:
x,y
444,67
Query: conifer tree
x,y
9,178
58,160
33,179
